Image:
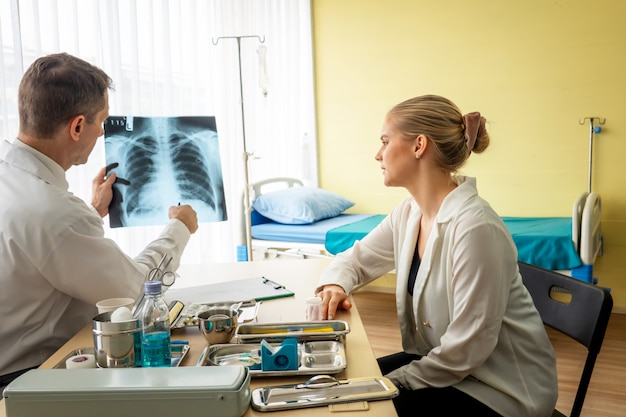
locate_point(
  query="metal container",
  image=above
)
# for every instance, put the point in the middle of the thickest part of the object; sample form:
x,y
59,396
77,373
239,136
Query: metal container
x,y
315,357
179,352
117,345
302,331
218,324
322,390
217,391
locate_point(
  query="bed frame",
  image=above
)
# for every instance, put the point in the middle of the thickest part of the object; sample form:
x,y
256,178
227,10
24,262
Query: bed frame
x,y
569,245
587,234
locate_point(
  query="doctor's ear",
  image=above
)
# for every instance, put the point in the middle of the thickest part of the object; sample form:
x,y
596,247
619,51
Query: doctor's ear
x,y
76,125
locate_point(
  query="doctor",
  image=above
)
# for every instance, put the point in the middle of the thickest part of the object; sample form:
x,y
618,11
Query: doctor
x,y
473,342
55,262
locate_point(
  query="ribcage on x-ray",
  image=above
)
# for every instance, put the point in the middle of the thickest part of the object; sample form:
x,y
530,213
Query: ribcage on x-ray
x,y
190,170
166,161
141,163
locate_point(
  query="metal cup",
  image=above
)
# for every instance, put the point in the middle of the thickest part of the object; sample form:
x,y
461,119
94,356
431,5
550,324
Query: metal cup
x,y
218,324
117,344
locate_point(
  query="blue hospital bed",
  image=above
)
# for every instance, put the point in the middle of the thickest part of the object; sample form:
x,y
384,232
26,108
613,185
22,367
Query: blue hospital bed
x,y
567,244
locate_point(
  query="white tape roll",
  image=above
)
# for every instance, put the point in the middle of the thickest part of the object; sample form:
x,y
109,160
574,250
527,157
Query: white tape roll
x,y
81,361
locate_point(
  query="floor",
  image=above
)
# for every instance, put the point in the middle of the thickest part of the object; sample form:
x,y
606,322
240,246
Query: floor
x,y
606,396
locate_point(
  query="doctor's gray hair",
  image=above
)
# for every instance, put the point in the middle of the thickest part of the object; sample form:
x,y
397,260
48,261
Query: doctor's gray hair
x,y
57,88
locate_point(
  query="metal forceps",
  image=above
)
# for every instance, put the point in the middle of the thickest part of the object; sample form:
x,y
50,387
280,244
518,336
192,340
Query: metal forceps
x,y
160,272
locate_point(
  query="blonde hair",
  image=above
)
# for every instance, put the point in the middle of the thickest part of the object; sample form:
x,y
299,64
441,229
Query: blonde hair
x,y
442,122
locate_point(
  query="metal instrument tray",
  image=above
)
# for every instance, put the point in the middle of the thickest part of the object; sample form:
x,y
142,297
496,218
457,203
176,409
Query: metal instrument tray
x,y
322,390
314,357
179,351
302,331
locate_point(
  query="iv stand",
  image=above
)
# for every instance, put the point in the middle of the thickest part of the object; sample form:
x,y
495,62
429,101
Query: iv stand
x,y
246,154
593,128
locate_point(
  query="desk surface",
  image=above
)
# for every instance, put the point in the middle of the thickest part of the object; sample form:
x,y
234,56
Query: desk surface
x,y
300,276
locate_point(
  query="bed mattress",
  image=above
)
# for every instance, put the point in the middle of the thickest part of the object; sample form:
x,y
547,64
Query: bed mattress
x,y
544,241
305,233
541,241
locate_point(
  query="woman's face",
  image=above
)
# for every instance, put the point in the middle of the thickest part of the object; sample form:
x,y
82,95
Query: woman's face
x,y
396,156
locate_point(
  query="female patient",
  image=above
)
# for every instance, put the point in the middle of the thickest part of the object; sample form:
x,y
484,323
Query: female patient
x,y
473,342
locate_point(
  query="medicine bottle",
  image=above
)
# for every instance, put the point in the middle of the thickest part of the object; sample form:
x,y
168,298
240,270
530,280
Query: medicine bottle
x,y
155,328
314,308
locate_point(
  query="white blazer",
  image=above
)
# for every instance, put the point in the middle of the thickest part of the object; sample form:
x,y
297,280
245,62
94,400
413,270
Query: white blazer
x,y
470,317
55,261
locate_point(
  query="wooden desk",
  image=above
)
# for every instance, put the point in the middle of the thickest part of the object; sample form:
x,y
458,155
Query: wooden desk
x,y
300,276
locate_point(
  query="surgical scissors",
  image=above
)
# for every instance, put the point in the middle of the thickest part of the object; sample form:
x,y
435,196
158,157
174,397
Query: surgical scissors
x,y
160,272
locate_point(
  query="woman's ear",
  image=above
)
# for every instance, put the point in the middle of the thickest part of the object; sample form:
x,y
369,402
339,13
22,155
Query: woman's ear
x,y
421,143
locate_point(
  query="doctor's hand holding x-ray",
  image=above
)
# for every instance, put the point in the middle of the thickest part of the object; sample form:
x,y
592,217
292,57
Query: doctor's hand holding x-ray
x,y
103,193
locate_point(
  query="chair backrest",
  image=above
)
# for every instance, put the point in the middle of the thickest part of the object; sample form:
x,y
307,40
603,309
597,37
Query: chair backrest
x,y
575,308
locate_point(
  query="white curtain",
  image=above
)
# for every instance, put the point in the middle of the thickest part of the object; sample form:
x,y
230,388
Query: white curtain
x,y
180,58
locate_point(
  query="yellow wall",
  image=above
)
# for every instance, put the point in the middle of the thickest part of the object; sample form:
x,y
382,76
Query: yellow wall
x,y
534,69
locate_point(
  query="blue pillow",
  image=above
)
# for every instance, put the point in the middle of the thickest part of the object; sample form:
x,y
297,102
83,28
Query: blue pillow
x,y
300,205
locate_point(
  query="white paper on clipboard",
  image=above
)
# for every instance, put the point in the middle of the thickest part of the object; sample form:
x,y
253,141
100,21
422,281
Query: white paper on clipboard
x,y
258,288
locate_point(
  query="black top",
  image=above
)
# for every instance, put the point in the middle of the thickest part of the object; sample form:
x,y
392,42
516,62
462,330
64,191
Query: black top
x,y
415,266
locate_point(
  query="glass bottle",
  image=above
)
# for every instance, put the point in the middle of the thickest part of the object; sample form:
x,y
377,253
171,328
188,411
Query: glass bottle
x,y
155,328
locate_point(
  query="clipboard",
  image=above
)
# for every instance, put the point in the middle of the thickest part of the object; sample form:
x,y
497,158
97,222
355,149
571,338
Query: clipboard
x,y
259,288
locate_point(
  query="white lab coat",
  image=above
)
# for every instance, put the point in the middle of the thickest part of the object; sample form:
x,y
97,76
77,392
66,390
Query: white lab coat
x,y
55,263
470,316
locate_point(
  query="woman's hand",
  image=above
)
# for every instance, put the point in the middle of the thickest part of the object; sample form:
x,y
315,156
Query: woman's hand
x,y
333,297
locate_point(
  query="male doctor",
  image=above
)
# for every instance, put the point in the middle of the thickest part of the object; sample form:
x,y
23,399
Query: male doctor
x,y
55,262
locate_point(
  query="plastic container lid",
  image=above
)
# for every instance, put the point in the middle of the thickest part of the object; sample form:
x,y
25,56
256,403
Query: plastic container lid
x,y
314,301
152,287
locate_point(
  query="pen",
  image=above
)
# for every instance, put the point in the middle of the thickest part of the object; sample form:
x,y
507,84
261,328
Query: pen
x,y
120,180
179,342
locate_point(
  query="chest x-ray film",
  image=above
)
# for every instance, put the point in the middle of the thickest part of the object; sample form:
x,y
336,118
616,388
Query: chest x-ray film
x,y
163,161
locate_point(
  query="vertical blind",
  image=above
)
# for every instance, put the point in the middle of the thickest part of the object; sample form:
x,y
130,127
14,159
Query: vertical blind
x,y
181,58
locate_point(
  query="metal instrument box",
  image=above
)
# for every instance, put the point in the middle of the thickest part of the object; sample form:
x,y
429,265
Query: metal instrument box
x,y
222,391
322,390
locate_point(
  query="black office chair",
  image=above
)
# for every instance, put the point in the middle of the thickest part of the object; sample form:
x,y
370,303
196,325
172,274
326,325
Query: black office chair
x,y
575,308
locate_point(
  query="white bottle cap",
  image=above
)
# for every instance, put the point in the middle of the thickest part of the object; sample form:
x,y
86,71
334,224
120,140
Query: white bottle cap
x,y
314,300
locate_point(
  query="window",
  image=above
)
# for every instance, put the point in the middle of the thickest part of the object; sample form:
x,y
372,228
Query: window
x,y
181,58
